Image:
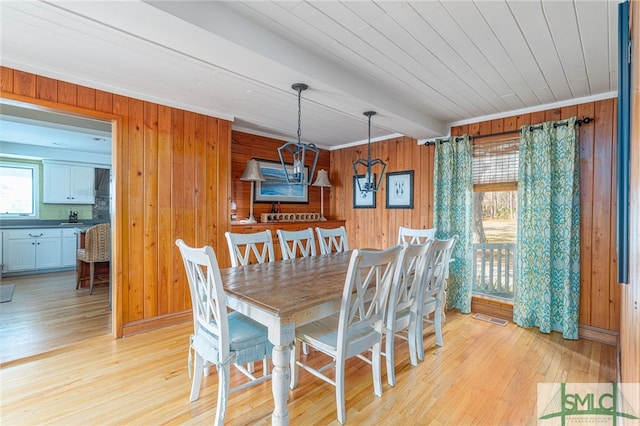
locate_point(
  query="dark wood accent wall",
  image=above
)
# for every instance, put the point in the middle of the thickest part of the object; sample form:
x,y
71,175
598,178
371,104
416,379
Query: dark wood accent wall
x,y
244,147
378,228
600,293
171,171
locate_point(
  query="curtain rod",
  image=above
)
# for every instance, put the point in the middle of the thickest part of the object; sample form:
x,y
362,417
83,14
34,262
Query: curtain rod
x,y
509,132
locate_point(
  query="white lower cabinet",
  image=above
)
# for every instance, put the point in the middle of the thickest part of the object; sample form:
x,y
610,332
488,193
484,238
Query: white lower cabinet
x,y
69,247
32,249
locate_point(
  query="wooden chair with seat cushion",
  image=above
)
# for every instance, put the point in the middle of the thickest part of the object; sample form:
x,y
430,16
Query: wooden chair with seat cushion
x,y
219,337
359,325
415,236
332,240
247,248
402,308
431,299
97,248
297,243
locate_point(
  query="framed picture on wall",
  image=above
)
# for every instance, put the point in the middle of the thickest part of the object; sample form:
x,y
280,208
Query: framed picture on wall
x,y
363,199
400,190
275,187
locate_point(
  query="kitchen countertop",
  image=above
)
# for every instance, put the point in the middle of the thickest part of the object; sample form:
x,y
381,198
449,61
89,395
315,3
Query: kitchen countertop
x,y
26,224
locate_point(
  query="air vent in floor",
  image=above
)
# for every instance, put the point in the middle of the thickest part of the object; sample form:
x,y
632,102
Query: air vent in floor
x,y
493,320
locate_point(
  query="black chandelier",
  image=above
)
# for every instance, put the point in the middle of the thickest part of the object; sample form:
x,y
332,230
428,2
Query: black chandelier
x,y
363,168
297,151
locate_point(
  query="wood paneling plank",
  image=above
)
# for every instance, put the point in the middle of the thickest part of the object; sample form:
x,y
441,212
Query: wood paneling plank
x,y
151,209
601,238
166,238
6,79
46,89
135,175
24,84
86,97
67,93
177,292
587,136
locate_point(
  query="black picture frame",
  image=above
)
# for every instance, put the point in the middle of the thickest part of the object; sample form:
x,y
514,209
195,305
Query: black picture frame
x,y
275,187
363,199
399,190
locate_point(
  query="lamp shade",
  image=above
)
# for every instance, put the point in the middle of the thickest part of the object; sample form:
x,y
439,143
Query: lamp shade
x,y
252,172
322,179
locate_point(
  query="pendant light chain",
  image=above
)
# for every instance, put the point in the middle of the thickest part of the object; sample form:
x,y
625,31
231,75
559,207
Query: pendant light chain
x,y
299,114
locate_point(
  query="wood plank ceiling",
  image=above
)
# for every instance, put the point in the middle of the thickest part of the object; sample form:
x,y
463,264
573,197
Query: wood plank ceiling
x,y
421,65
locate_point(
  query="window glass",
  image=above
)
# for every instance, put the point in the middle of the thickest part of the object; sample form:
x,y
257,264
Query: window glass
x,y
18,190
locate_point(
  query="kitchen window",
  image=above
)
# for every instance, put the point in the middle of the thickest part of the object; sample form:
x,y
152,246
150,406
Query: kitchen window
x,y
19,190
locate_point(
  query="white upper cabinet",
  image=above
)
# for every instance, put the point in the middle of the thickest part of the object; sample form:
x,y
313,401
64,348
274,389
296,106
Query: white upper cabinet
x,y
68,183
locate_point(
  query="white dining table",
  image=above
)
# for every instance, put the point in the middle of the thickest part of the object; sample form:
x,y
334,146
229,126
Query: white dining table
x,y
282,295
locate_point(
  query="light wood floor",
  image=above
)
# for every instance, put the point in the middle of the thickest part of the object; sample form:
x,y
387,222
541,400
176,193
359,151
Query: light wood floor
x,y
485,374
48,313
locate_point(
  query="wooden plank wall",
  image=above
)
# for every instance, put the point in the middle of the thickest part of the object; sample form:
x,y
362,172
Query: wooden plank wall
x,y
600,293
171,172
155,207
630,309
378,228
244,147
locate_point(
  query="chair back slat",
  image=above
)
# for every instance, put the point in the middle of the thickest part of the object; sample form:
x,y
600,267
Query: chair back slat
x,y
250,248
297,243
332,240
369,278
438,269
415,236
411,278
207,293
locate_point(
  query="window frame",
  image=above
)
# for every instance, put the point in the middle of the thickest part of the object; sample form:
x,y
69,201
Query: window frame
x,y
35,195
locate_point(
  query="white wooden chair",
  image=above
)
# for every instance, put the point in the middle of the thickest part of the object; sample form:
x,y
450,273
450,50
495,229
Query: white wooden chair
x,y
245,248
403,302
359,325
219,338
415,236
332,240
433,295
296,243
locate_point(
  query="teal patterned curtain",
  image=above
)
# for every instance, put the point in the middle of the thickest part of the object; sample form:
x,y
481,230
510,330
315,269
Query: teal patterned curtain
x,y
548,257
453,203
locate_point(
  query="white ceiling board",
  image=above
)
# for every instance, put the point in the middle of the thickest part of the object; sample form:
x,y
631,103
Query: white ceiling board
x,y
533,24
474,25
594,38
444,23
563,26
455,71
419,64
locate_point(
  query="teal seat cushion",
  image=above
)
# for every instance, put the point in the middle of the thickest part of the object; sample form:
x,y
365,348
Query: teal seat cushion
x,y
248,340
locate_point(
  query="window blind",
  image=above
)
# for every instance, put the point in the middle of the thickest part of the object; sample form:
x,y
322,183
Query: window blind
x,y
495,165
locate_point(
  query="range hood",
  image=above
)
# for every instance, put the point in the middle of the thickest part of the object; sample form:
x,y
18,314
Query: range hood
x,y
102,180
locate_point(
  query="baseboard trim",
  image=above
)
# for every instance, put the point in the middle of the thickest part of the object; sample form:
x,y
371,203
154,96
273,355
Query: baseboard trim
x,y
492,307
501,309
600,335
142,326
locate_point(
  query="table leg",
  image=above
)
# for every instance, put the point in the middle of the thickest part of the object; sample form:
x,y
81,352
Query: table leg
x,y
280,377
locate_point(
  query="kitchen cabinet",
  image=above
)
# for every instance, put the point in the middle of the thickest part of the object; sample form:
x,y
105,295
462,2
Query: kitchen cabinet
x,y
31,249
69,247
68,183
